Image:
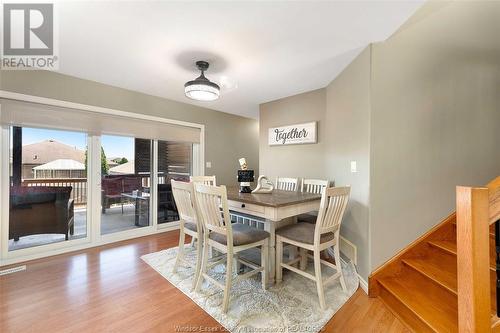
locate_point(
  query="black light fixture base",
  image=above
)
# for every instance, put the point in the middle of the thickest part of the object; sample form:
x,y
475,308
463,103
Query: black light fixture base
x,y
202,65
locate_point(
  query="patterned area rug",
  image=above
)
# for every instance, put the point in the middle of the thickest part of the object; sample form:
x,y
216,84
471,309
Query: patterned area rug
x,y
291,306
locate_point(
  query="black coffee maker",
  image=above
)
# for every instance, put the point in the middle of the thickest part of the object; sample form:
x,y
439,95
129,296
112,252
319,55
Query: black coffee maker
x,y
245,177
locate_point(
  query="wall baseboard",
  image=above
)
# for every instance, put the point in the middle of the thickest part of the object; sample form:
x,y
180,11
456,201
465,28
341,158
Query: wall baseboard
x,y
363,284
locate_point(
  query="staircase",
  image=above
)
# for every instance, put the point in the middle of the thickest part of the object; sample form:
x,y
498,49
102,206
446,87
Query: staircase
x,y
419,284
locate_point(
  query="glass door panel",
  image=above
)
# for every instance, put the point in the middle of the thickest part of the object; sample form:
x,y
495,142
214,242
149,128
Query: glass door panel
x,y
48,187
174,162
125,183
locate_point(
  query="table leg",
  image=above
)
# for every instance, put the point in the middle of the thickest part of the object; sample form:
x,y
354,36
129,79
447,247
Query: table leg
x,y
293,251
270,227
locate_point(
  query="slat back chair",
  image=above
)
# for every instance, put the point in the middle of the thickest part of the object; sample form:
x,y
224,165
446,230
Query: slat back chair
x,y
313,185
316,237
189,224
207,180
218,232
332,208
210,200
287,184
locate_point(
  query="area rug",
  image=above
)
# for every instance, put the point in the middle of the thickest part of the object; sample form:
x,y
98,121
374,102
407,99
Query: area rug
x,y
291,306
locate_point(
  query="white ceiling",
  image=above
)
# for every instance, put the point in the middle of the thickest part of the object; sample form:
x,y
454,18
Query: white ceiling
x,y
258,51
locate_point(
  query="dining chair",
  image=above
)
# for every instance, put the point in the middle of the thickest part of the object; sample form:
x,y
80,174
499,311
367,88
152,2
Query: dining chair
x,y
287,184
207,180
315,186
315,238
227,238
189,224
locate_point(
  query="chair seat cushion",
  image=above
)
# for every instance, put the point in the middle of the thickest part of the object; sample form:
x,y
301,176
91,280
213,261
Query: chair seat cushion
x,y
242,235
190,226
307,218
303,233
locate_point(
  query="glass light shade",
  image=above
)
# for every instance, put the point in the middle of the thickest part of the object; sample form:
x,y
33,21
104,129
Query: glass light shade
x,y
202,92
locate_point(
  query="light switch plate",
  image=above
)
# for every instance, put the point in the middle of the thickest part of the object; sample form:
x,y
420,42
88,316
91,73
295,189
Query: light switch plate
x,y
208,164
354,166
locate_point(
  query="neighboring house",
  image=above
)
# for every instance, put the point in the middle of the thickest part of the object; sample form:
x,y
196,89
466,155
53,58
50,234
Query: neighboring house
x,y
123,169
112,162
62,168
47,151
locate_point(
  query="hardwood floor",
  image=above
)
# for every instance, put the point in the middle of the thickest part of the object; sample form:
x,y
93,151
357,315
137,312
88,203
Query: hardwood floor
x,y
110,289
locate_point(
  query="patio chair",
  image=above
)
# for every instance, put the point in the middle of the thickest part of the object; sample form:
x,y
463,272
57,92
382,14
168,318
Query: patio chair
x,y
40,210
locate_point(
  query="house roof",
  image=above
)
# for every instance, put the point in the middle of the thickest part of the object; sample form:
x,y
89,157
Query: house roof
x,y
121,169
50,150
61,164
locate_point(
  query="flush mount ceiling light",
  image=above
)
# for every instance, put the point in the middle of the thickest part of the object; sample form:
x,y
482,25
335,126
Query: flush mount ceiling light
x,y
202,89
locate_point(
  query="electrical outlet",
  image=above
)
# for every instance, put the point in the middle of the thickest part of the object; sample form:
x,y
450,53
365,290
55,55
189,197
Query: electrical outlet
x,y
208,165
354,166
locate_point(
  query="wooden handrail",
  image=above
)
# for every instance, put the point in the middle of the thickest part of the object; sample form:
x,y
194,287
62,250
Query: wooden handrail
x,y
477,209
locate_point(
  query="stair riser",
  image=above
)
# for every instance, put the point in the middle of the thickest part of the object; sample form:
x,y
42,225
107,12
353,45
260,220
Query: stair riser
x,y
401,311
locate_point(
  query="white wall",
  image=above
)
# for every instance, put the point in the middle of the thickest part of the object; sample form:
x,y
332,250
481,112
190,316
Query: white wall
x,y
347,122
435,119
420,113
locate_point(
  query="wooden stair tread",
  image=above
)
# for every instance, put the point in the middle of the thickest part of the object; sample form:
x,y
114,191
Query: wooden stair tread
x,y
451,248
433,306
446,245
444,274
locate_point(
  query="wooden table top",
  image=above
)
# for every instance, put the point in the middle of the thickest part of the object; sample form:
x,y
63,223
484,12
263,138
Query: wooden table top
x,y
277,198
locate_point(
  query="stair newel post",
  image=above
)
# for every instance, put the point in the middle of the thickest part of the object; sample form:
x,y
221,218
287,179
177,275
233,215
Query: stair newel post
x,y
473,263
497,266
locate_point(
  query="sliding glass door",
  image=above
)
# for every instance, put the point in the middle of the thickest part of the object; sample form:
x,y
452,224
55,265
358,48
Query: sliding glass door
x,y
74,176
47,188
175,161
125,183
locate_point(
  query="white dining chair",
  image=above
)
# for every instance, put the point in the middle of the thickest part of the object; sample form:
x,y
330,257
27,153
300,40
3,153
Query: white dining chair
x,y
316,237
287,184
207,180
189,224
227,238
315,186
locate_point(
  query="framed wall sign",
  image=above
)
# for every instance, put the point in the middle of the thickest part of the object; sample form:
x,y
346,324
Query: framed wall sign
x,y
293,134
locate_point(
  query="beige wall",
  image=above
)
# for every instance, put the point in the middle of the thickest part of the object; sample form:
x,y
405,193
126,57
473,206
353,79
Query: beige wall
x,y
435,118
420,113
227,137
342,110
347,123
293,160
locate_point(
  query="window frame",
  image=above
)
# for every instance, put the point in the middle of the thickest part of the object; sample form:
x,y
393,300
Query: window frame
x,y
93,237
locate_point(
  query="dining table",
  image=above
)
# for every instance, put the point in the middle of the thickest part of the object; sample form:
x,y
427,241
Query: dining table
x,y
273,210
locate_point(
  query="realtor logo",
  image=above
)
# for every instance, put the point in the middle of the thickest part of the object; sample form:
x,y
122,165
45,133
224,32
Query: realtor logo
x,y
28,36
